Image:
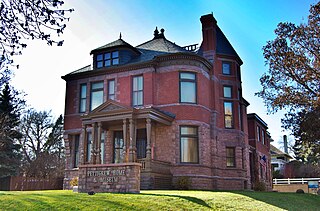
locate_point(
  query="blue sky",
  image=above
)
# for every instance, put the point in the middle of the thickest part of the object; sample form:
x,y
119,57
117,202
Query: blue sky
x,y
247,24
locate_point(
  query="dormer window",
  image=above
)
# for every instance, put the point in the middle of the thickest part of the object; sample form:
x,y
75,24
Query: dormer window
x,y
108,59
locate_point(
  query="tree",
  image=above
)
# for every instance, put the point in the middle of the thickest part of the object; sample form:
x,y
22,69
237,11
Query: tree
x,y
293,57
304,126
42,143
29,19
10,108
293,78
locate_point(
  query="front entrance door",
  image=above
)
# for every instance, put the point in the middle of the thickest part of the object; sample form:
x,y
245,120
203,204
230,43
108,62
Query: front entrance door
x,y
141,143
118,153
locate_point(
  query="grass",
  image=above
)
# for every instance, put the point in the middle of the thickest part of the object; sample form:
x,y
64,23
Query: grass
x,y
158,200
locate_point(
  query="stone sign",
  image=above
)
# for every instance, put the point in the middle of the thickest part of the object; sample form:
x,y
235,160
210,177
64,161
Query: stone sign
x,y
124,177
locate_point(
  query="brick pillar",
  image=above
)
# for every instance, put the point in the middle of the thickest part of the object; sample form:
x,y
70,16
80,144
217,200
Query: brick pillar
x,y
98,145
148,127
83,156
124,130
93,144
132,142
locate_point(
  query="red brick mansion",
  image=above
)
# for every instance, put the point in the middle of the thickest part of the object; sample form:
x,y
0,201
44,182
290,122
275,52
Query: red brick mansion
x,y
176,111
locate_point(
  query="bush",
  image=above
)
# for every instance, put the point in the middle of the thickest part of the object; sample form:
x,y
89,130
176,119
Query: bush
x,y
299,191
74,181
183,183
259,186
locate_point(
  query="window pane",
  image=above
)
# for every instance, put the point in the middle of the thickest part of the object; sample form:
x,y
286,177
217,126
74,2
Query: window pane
x,y
107,63
135,98
227,91
230,156
188,92
98,85
83,91
226,68
111,87
115,61
107,56
189,131
96,99
140,83
189,150
76,151
83,105
190,76
99,57
140,96
99,64
228,108
115,54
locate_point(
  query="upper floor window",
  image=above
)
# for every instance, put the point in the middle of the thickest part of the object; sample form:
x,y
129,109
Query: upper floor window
x,y
83,98
108,59
189,144
111,89
228,114
227,91
258,133
263,137
226,68
96,94
188,87
137,91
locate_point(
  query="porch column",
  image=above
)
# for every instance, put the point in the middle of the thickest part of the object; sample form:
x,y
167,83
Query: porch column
x,y
93,144
148,127
124,130
84,144
98,145
131,138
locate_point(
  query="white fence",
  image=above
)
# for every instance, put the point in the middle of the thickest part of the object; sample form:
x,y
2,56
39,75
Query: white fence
x,y
294,181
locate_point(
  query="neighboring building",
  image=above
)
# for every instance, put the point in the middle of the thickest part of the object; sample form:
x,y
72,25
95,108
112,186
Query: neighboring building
x,y
259,153
279,159
178,111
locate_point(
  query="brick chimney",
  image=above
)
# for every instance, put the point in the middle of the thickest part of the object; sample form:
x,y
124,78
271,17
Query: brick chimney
x,y
209,37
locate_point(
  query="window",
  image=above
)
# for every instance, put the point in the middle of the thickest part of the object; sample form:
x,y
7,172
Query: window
x,y
231,158
83,98
96,94
76,151
137,91
111,90
226,68
227,91
188,87
89,144
141,143
228,115
108,59
118,144
189,144
262,137
258,133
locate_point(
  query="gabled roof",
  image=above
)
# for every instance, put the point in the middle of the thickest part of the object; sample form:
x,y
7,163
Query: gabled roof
x,y
275,151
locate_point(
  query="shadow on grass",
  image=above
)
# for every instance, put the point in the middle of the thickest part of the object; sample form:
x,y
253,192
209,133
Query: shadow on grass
x,y
287,201
188,198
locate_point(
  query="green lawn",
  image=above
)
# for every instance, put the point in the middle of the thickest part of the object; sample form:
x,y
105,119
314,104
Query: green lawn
x,y
158,200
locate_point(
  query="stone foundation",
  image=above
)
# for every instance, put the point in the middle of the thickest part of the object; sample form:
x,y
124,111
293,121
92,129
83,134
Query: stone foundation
x,y
115,178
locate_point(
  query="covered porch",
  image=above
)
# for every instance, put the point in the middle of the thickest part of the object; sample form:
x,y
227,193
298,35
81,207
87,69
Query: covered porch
x,y
113,133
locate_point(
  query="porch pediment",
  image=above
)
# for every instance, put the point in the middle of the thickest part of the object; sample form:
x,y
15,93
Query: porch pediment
x,y
112,110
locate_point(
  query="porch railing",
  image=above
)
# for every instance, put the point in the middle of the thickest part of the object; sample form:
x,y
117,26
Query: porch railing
x,y
294,181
